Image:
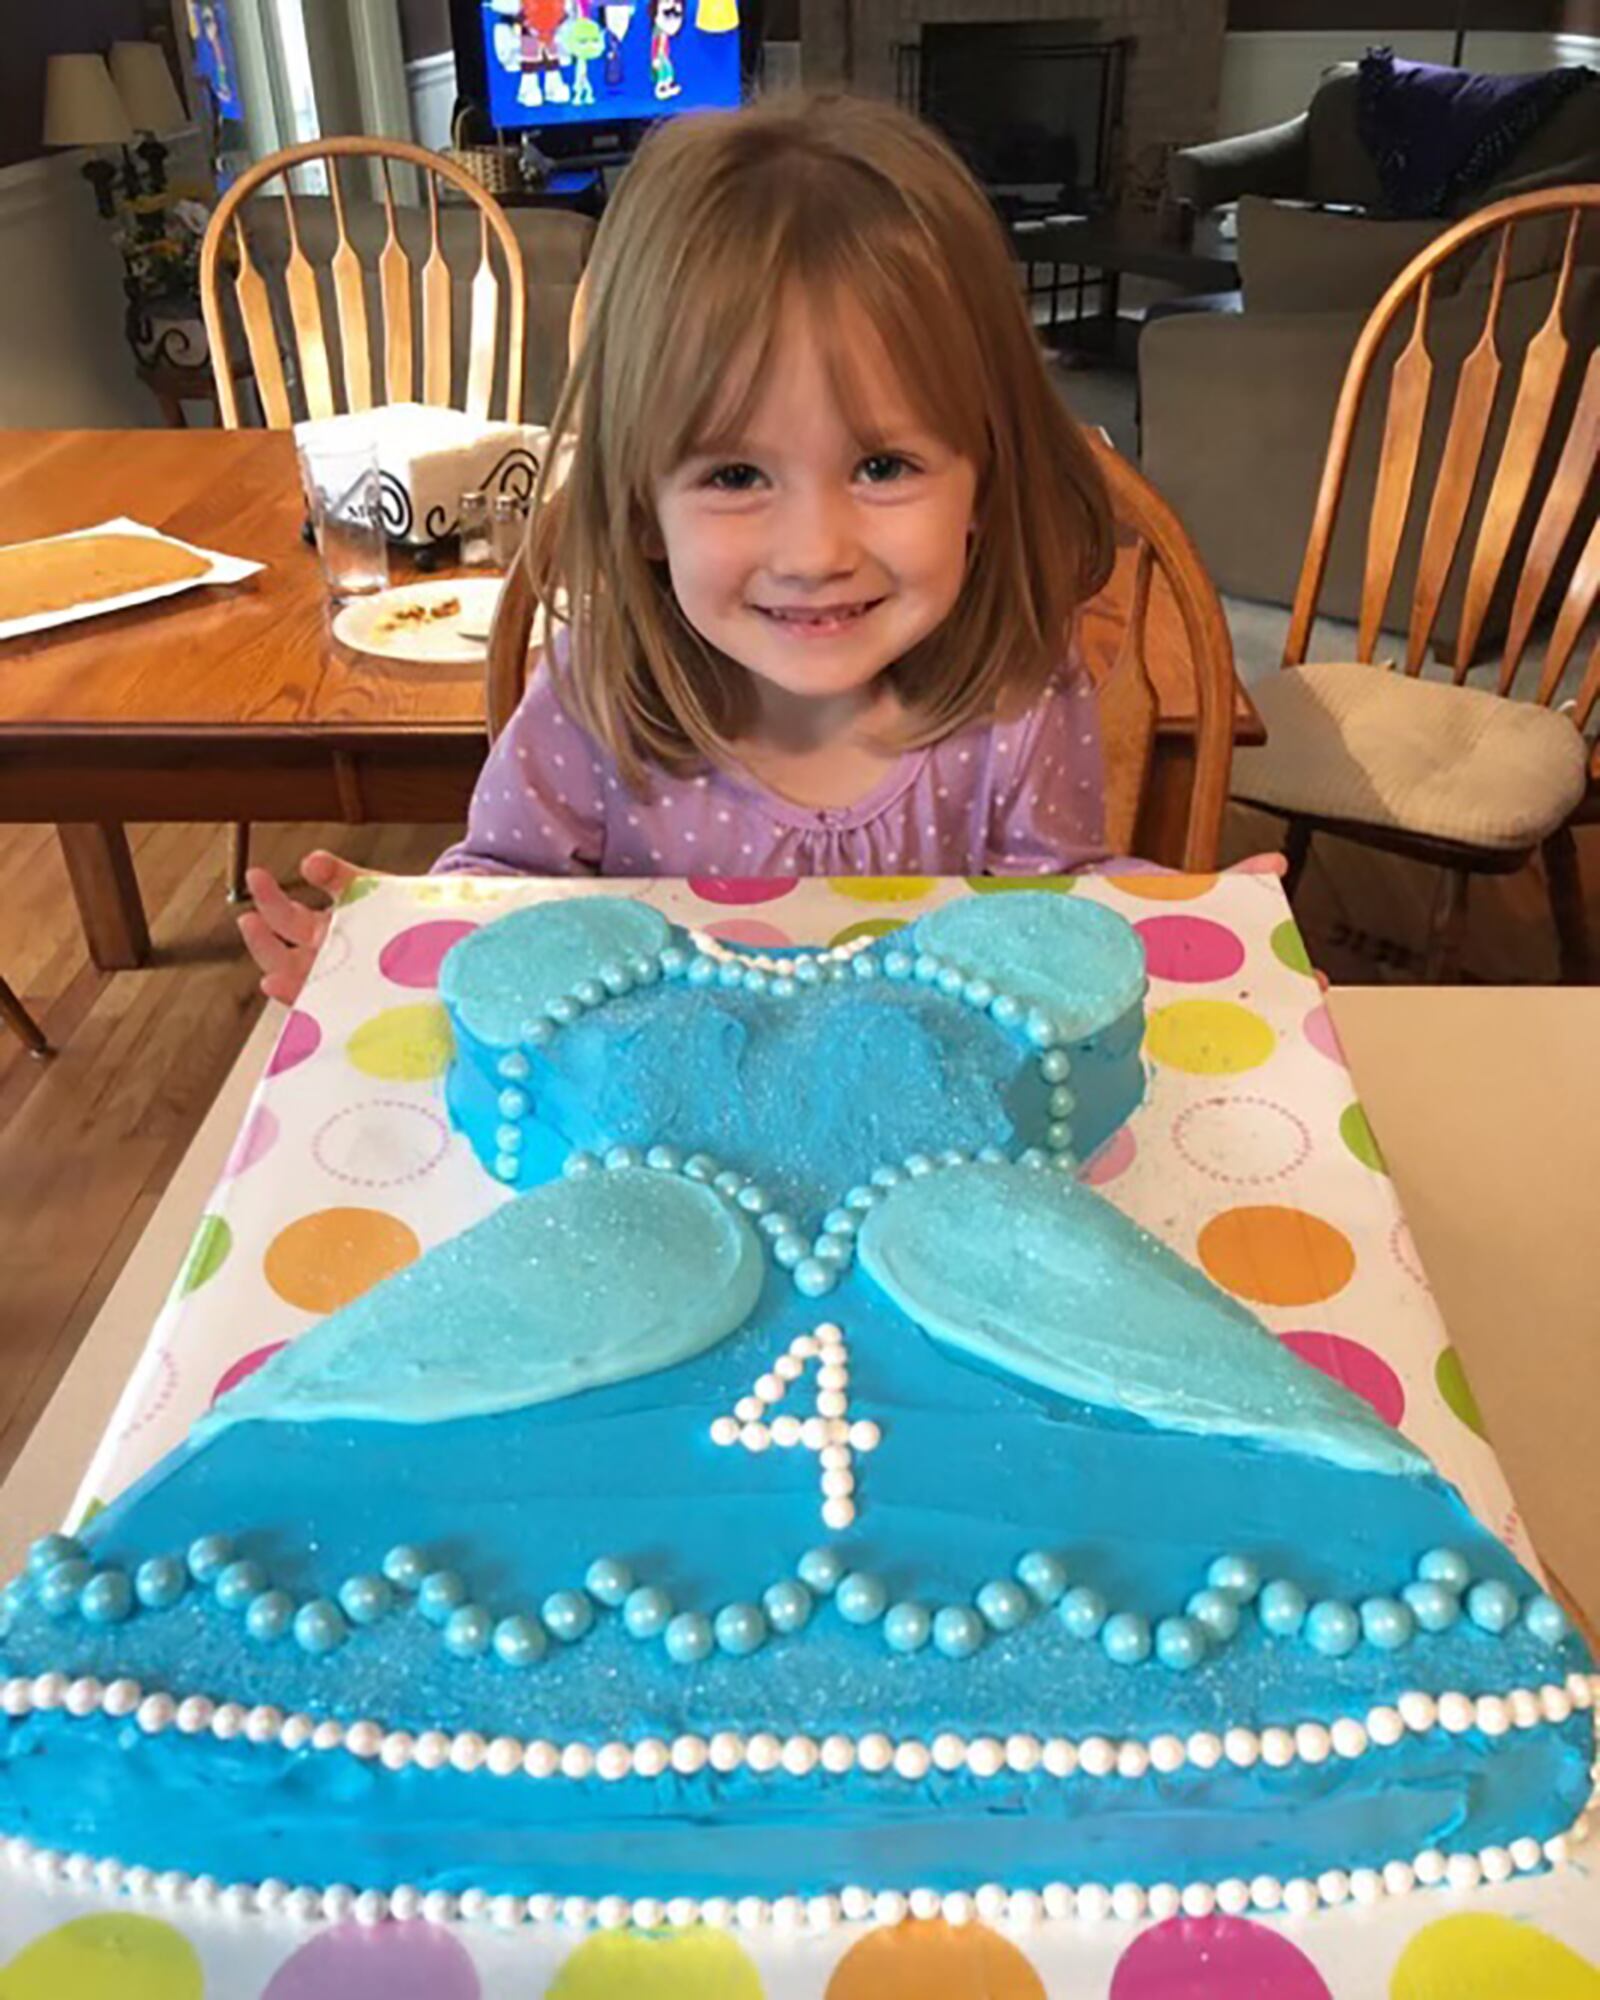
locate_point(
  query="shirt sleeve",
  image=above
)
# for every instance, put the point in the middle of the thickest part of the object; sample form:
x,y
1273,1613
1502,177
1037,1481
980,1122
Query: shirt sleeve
x,y
1047,798
538,806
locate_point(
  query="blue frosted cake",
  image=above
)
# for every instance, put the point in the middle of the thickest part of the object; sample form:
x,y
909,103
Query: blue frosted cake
x,y
801,1498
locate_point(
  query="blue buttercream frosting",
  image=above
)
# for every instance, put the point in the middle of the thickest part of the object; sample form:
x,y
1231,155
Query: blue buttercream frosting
x,y
1079,961
505,975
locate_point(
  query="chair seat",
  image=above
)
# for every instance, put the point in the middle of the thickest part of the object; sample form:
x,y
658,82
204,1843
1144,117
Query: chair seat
x,y
1356,743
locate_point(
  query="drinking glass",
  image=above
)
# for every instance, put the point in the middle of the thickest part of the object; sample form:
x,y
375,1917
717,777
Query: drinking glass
x,y
345,498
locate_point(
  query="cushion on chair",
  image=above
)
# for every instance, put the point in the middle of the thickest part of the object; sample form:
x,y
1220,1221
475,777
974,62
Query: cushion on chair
x,y
1356,743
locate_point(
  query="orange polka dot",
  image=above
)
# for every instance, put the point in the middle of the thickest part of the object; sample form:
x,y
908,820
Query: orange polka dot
x,y
1164,888
914,1961
1276,1256
325,1260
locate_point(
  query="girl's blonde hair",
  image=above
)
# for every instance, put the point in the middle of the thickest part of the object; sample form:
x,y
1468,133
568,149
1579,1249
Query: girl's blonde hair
x,y
721,221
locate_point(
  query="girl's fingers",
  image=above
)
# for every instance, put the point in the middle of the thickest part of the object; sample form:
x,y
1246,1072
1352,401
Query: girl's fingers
x,y
330,873
290,920
269,948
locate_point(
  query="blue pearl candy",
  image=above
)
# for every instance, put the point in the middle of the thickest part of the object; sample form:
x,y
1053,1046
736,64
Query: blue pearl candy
x,y
673,960
918,1165
1063,1102
664,1159
861,1598
807,971
741,1629
509,1138
106,1599
439,1593
209,1556
776,1223
1043,1576
1332,1629
616,979
563,1010
646,969
790,1251
730,974
405,1567
788,1606
512,1104
617,1157
1058,1137
238,1583
862,1198
1492,1606
907,1628
1281,1608
579,1163
753,1200
1003,1606
958,1631
728,1182
59,1587
1545,1620
755,980
813,1278
645,1612
49,1550
1239,1576
269,1616
1434,1605
978,993
1005,1011
1126,1638
536,1034
519,1641
589,993
567,1614
1216,1611
833,1251
1180,1643
513,1068
159,1582
925,968
840,1222
365,1599
951,981
702,971
467,1631
1055,1065
319,1627
1387,1623
507,1166
689,1639
1447,1566
1083,1611
783,988
821,1570
608,1581
1040,1029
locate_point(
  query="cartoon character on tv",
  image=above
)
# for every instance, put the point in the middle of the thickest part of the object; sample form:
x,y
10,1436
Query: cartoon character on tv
x,y
580,41
618,18
666,20
525,45
716,17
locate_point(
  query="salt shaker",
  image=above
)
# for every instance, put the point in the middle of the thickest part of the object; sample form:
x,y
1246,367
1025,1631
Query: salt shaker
x,y
510,520
477,549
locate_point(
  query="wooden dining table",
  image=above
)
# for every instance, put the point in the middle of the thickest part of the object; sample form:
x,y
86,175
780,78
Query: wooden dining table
x,y
237,703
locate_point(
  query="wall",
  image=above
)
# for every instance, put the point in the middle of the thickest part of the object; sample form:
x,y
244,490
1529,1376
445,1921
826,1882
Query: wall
x,y
424,28
35,32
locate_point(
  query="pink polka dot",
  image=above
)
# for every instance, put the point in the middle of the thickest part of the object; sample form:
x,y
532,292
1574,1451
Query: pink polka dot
x,y
1191,949
1320,1032
1215,1958
413,957
749,931
1357,1367
742,888
258,1138
247,1364
1112,1160
380,1962
301,1037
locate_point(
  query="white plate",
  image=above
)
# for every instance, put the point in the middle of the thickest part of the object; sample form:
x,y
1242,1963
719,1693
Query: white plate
x,y
367,624
223,569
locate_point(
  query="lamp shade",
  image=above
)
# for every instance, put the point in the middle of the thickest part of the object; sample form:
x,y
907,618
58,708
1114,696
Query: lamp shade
x,y
144,83
81,105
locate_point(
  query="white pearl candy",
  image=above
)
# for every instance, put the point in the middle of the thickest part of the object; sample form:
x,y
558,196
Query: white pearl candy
x,y
1349,1737
1242,1747
1199,1899
1457,1713
1165,1900
689,1755
1167,1753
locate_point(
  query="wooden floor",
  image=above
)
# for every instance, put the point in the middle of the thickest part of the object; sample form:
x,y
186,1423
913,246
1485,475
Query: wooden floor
x,y
89,1140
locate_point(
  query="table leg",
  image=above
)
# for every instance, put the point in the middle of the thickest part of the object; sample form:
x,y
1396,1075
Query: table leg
x,y
107,890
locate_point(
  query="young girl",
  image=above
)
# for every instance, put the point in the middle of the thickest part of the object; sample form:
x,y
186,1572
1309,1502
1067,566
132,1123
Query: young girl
x,y
813,566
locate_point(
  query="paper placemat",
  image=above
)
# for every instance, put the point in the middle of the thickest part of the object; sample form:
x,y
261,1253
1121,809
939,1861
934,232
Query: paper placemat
x,y
223,569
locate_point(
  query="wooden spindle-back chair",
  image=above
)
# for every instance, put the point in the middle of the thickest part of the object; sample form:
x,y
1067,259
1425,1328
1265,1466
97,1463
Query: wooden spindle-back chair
x,y
1127,697
1535,546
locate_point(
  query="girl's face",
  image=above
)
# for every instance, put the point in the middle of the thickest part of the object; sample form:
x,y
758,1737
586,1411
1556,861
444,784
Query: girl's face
x,y
809,554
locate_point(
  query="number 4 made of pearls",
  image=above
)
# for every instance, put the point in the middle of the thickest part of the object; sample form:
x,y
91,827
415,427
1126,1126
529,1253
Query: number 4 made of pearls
x,y
829,1432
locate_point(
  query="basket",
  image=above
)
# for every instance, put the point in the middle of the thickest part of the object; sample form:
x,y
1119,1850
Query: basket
x,y
495,167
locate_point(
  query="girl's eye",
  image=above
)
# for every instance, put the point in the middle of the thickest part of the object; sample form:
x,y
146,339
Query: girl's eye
x,y
733,478
883,467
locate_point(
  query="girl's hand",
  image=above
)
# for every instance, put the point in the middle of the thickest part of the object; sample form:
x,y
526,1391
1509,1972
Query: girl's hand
x,y
283,936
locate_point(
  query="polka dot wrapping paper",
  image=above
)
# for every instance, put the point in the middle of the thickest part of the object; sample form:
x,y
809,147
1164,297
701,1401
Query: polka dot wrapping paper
x,y
1250,1155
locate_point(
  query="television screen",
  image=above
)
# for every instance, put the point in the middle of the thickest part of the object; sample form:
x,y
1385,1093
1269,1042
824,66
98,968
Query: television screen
x,y
563,63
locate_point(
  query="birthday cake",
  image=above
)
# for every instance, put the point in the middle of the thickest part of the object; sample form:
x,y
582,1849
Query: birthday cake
x,y
802,1497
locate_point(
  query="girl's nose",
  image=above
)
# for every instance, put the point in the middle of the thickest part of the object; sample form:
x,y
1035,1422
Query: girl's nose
x,y
814,541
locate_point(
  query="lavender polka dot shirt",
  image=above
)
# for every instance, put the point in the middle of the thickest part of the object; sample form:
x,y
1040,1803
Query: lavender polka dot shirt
x,y
1023,797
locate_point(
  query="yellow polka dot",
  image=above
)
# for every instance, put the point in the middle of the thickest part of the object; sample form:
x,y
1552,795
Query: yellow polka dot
x,y
641,1965
110,1957
916,1961
1208,1037
1164,888
881,888
1276,1256
403,1044
1490,1958
325,1260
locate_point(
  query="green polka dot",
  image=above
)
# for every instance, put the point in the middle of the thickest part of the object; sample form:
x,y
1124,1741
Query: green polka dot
x,y
1289,947
869,927
116,1956
207,1254
353,892
1457,1390
403,1044
641,1965
1359,1137
1000,885
95,1507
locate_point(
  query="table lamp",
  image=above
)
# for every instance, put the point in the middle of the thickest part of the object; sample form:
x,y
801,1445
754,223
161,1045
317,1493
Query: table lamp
x,y
82,108
144,83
